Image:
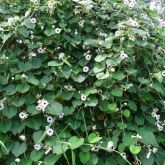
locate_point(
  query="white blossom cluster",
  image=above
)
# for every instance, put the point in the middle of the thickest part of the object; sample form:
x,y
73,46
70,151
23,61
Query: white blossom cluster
x,y
13,20
4,58
69,87
130,3
133,22
42,104
36,2
160,124
87,4
155,5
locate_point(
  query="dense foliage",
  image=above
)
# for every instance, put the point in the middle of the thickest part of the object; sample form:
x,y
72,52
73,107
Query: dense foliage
x,y
82,82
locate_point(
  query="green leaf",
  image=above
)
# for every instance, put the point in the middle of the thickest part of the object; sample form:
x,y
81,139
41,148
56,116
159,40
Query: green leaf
x,y
93,138
68,110
18,102
25,162
79,78
112,107
100,58
117,92
10,112
118,75
75,142
23,31
107,43
135,149
51,159
98,67
18,149
148,137
11,89
93,101
132,105
102,75
84,157
55,108
5,126
59,148
55,63
36,155
33,80
37,136
126,113
22,88
91,42
49,32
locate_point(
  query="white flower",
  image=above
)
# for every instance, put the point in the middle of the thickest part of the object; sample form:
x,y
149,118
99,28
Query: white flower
x,y
148,155
49,131
112,69
154,150
155,6
17,160
32,54
160,128
37,147
50,119
44,103
157,117
1,106
110,144
61,115
138,136
27,13
41,50
95,148
123,55
126,2
163,73
88,57
24,76
48,149
23,115
39,108
85,69
94,127
33,20
51,5
57,30
22,137
19,41
35,1
83,97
